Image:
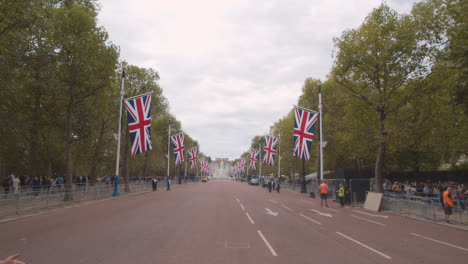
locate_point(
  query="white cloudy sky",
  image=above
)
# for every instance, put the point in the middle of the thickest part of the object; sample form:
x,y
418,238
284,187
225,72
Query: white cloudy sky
x,y
231,68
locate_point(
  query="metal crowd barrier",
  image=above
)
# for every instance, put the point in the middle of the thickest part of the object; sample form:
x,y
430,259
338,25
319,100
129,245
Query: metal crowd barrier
x,y
33,201
429,208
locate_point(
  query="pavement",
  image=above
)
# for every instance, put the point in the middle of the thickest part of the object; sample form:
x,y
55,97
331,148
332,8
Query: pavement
x,y
227,222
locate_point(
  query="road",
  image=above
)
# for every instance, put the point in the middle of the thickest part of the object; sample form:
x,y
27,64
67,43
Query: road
x,y
227,222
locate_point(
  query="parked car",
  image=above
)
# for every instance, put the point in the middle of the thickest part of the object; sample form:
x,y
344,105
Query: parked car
x,y
254,182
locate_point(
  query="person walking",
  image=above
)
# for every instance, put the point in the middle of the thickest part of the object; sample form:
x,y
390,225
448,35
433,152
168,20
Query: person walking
x,y
154,183
269,186
448,204
277,187
168,184
323,193
341,194
16,184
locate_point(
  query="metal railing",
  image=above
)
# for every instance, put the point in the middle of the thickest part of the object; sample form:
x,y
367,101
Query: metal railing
x,y
34,200
429,208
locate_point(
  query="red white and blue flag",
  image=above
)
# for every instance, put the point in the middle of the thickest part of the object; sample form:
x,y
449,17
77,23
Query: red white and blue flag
x,y
270,150
253,159
242,165
304,127
139,123
202,165
193,157
178,145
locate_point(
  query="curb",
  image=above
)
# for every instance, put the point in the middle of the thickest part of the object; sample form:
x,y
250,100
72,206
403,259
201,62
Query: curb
x,y
463,228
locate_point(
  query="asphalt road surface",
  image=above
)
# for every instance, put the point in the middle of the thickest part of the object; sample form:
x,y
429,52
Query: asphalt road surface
x,y
227,222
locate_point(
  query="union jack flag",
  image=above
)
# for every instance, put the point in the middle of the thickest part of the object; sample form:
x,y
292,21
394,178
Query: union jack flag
x,y
139,123
193,157
270,150
178,144
242,165
202,165
304,127
253,158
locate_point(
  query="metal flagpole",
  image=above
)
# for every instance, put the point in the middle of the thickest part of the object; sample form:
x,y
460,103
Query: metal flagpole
x,y
185,176
321,133
122,93
168,149
260,160
279,157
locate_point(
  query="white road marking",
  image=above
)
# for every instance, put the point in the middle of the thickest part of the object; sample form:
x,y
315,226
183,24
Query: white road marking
x,y
364,245
320,213
273,201
273,252
286,207
441,242
238,200
242,206
250,218
307,202
331,209
318,223
271,212
369,220
374,215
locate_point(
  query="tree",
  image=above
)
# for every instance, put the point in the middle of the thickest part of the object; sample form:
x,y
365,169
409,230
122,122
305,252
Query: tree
x,y
384,63
86,66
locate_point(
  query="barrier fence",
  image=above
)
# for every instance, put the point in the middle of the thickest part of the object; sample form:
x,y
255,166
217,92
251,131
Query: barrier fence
x,y
33,200
429,207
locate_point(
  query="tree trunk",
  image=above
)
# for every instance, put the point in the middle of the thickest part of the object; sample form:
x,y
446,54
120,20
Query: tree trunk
x,y
68,152
96,157
379,178
34,135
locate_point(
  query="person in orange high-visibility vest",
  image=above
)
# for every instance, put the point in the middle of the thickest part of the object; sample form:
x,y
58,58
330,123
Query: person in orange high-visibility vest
x,y
448,203
323,193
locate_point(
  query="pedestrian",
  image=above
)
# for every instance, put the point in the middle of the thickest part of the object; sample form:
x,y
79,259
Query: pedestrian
x,y
168,184
84,180
154,183
323,193
273,184
59,182
341,194
36,186
277,187
269,186
16,184
448,204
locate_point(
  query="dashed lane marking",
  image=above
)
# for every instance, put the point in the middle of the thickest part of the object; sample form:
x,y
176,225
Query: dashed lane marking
x,y
250,218
243,209
317,222
364,245
441,242
374,215
377,223
332,209
320,213
273,201
286,207
273,252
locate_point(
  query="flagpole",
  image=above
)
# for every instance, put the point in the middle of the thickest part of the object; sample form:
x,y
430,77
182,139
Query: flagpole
x,y
122,93
279,157
321,133
260,160
168,149
185,176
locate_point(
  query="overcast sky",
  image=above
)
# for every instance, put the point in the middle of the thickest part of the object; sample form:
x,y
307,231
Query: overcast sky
x,y
231,68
